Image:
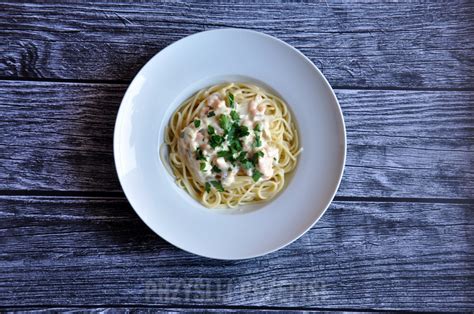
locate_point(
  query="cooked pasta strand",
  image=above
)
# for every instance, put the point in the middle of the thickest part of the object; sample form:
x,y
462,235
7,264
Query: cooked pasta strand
x,y
244,191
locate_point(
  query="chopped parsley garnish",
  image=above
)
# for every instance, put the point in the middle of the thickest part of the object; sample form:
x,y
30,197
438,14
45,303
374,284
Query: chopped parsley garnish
x,y
235,146
224,153
256,175
218,186
227,155
234,115
255,157
231,132
224,122
236,131
258,141
216,140
243,131
230,145
210,130
199,154
230,100
247,164
242,156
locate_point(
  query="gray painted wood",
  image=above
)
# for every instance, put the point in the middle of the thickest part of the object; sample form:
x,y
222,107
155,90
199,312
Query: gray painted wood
x,y
399,237
58,136
404,45
161,309
361,255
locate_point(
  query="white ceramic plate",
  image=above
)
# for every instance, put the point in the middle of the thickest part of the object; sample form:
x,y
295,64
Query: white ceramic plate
x,y
198,61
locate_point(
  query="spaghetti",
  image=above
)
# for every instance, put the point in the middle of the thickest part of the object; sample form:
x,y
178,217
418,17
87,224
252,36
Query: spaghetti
x,y
232,144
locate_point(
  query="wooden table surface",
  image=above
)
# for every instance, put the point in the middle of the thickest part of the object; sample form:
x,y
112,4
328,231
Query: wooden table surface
x,y
398,236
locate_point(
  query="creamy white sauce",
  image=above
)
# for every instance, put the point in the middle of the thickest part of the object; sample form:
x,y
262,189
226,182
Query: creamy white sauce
x,y
196,141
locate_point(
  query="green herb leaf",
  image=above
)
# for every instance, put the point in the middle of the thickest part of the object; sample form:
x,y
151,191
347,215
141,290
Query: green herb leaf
x,y
199,154
256,156
207,186
257,128
202,166
211,114
218,186
258,141
224,153
232,131
234,115
256,175
247,164
197,123
235,146
210,130
254,159
230,100
224,122
242,131
216,140
227,155
215,169
242,156
237,131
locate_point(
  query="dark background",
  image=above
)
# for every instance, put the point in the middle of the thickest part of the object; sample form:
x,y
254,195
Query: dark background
x,y
398,236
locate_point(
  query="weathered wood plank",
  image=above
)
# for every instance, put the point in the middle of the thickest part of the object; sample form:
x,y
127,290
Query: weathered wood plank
x,y
58,136
160,309
409,144
79,251
403,45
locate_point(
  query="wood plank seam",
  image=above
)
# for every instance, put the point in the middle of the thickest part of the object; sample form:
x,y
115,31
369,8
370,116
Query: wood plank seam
x,y
335,87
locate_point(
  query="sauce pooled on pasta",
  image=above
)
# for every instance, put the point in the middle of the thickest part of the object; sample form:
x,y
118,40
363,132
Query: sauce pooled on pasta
x,y
228,139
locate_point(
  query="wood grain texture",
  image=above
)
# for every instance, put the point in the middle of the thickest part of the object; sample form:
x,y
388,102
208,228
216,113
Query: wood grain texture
x,y
411,150
160,309
401,45
58,136
82,251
